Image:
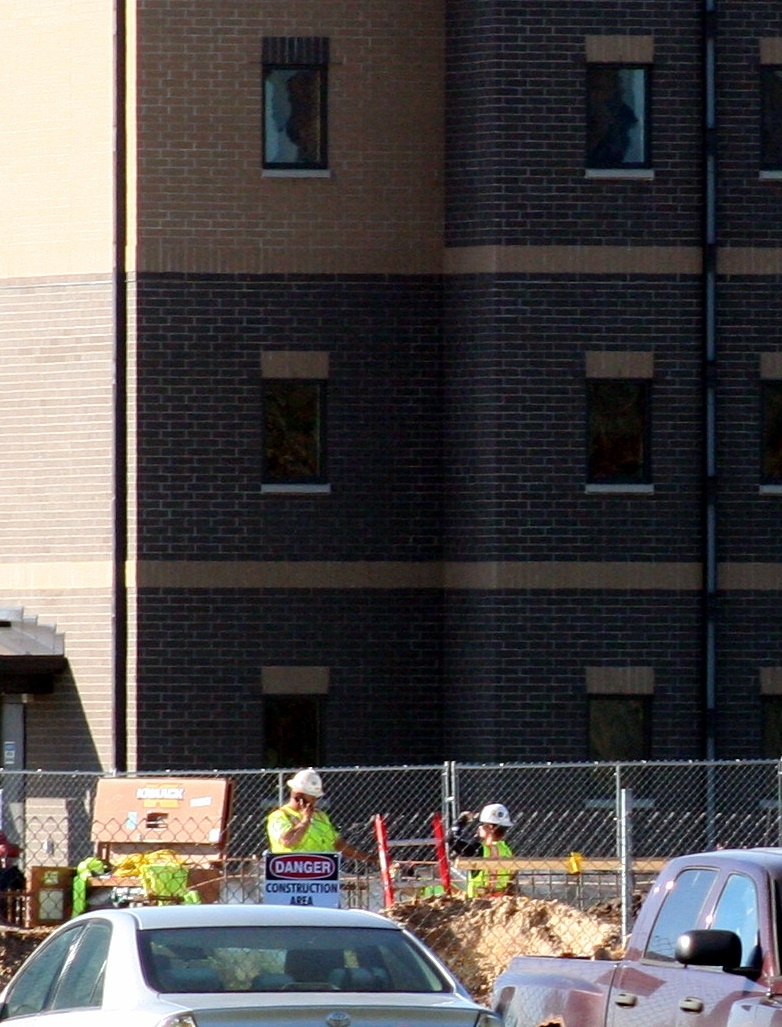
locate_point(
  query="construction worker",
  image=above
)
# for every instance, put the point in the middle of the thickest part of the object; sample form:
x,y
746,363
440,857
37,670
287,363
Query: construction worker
x,y
493,822
299,827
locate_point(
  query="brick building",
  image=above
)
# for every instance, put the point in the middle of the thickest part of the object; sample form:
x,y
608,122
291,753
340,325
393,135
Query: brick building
x,y
390,382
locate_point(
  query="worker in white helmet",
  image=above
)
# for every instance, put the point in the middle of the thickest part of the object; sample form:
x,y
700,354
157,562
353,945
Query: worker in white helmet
x,y
299,826
493,823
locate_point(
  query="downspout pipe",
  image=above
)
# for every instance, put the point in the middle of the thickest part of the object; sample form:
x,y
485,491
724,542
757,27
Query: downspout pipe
x,y
120,403
709,380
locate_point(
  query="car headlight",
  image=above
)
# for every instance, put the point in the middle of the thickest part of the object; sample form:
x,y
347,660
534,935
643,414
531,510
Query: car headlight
x,y
179,1020
487,1019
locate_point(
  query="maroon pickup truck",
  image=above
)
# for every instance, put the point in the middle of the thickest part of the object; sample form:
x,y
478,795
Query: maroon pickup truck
x,y
704,952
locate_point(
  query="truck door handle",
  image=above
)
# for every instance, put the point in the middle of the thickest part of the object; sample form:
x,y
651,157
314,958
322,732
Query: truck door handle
x,y
691,1005
626,998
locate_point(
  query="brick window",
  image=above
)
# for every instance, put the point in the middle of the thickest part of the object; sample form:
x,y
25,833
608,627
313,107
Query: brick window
x,y
618,431
293,698
771,726
617,115
619,727
294,431
291,730
295,103
619,711
771,427
771,118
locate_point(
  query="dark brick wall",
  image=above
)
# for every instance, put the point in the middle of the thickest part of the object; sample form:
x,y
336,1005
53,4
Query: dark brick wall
x,y
516,670
516,418
750,319
749,208
515,117
199,418
200,659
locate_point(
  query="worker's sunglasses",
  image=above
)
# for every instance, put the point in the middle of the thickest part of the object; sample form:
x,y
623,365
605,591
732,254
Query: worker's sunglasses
x,y
298,797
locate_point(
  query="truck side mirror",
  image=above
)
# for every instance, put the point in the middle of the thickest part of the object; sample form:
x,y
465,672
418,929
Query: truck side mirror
x,y
709,948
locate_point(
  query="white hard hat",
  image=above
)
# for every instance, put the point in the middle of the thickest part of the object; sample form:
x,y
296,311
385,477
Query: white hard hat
x,y
307,781
495,813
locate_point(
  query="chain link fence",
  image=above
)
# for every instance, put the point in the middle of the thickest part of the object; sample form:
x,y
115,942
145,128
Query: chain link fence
x,y
587,841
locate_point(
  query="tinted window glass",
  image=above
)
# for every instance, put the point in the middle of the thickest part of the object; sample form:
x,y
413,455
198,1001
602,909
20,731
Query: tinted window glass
x,y
291,730
294,130
680,912
224,959
293,431
81,983
771,443
31,990
617,130
771,726
619,727
771,115
737,910
617,425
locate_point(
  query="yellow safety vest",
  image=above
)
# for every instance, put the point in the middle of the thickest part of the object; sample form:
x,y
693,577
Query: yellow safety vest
x,y
483,882
320,836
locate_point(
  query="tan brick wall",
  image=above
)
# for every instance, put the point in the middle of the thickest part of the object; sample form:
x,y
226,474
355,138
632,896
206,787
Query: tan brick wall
x,y
56,421
73,727
204,204
56,176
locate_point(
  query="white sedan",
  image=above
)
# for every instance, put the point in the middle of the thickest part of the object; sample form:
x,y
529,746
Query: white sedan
x,y
235,966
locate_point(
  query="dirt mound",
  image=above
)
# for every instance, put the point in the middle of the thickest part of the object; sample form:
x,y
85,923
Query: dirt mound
x,y
16,944
477,938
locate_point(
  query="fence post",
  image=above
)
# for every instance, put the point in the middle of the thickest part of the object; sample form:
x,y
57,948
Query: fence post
x,y
711,806
450,794
626,858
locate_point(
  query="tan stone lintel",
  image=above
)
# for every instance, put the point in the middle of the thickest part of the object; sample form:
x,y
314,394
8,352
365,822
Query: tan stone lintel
x,y
771,366
573,260
284,680
750,260
750,577
616,49
609,260
620,680
516,576
770,50
276,363
452,576
771,680
619,364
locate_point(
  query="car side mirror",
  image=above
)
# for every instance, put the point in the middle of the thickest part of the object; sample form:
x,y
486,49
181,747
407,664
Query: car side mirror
x,y
709,948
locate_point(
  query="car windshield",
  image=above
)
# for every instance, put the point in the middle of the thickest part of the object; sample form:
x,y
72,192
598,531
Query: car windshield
x,y
248,959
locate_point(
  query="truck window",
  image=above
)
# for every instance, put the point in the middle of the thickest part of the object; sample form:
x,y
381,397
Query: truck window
x,y
737,910
680,911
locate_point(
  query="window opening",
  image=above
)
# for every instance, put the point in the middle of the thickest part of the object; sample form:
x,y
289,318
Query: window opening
x,y
618,431
294,116
294,431
617,116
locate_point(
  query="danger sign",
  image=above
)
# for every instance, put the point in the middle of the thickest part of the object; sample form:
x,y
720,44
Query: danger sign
x,y
302,879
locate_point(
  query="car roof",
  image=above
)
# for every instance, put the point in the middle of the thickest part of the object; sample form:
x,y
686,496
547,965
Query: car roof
x,y
250,915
